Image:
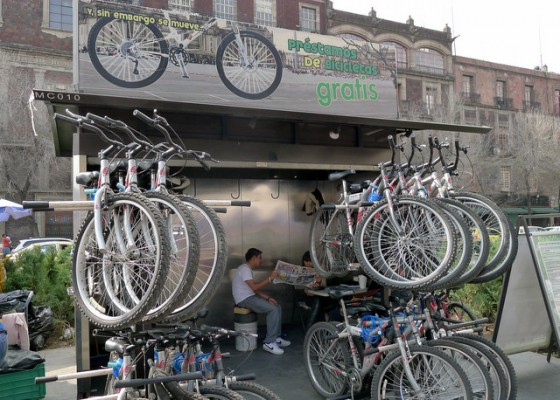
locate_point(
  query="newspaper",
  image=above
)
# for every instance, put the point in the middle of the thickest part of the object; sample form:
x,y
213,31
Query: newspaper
x,y
292,274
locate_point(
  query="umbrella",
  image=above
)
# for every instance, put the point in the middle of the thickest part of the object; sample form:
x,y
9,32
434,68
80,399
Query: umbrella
x,y
10,209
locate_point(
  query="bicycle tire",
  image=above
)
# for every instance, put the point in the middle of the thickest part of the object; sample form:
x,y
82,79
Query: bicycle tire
x,y
471,364
110,34
503,359
212,259
481,240
330,243
184,249
413,259
452,380
492,364
219,393
497,225
253,391
114,290
458,311
324,370
489,274
229,58
464,248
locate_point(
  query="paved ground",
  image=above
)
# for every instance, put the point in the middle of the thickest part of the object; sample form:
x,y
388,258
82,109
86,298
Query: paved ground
x,y
285,375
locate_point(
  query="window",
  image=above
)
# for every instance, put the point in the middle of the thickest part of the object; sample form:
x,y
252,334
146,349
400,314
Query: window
x,y
533,184
528,93
181,5
429,60
503,139
557,102
503,121
60,15
401,54
1,20
308,19
431,94
226,9
505,175
264,12
500,89
467,84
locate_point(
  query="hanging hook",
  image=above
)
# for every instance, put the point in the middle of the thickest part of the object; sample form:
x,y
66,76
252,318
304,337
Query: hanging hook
x,y
277,191
238,191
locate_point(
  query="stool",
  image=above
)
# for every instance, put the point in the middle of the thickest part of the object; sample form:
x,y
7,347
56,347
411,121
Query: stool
x,y
245,319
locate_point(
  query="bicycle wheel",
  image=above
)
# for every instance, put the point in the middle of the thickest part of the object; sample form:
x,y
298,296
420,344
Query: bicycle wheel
x,y
219,393
504,264
460,312
331,243
251,67
480,242
463,254
471,364
497,374
212,259
410,245
116,287
503,237
326,360
503,360
128,54
435,373
184,252
253,391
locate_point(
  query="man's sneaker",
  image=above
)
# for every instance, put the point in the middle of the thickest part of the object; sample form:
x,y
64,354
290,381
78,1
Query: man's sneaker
x,y
283,342
272,348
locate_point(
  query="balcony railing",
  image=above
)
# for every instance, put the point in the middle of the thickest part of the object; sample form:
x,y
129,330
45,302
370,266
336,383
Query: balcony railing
x,y
470,97
503,102
531,106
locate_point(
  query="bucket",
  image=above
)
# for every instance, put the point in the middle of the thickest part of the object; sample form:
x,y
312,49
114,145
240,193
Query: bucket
x,y
247,323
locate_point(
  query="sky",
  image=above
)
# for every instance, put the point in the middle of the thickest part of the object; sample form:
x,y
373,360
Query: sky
x,y
506,32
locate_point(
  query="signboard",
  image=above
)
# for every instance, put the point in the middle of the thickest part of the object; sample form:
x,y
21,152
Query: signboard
x,y
132,51
529,311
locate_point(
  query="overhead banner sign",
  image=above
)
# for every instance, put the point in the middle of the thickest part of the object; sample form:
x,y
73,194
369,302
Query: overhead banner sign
x,y
133,51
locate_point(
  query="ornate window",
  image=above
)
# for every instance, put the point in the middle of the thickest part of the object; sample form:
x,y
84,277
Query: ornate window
x,y
429,60
181,5
226,9
401,51
265,11
308,19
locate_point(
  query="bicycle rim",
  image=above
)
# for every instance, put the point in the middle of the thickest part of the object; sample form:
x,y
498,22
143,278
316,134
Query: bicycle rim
x,y
436,373
252,71
212,259
116,289
413,254
331,243
325,359
184,252
129,54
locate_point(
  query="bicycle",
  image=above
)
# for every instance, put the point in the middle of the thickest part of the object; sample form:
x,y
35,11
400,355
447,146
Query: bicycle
x,y
333,365
133,54
121,252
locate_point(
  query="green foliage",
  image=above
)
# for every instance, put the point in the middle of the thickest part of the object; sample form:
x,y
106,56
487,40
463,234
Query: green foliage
x,y
481,298
48,275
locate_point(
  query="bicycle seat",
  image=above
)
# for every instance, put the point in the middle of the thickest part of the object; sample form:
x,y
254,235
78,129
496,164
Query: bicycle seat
x,y
115,344
340,292
85,178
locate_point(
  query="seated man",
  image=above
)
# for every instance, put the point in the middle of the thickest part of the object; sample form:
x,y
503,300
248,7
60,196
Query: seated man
x,y
247,293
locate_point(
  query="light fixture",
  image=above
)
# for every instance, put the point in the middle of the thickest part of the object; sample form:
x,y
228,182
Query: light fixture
x,y
335,134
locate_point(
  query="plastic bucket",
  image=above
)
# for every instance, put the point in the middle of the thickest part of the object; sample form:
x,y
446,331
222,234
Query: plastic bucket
x,y
247,323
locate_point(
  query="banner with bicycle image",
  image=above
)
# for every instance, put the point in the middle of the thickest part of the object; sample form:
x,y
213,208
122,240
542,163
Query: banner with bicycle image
x,y
132,51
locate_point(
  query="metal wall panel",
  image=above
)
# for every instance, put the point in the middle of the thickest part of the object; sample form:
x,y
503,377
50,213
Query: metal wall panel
x,y
275,224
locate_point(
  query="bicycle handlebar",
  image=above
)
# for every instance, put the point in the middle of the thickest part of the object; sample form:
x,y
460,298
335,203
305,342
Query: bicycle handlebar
x,y
148,381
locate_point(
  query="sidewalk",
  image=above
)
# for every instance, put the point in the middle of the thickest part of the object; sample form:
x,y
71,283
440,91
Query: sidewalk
x,y
286,375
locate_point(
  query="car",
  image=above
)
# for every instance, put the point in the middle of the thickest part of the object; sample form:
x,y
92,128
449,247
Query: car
x,y
44,244
552,229
531,228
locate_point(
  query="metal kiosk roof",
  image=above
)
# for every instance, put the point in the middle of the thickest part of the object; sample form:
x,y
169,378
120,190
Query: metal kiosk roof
x,y
263,143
